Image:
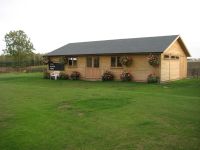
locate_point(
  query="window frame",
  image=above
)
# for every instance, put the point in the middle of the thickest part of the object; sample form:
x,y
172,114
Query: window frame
x,y
171,57
96,65
177,57
93,64
73,60
87,62
166,56
117,63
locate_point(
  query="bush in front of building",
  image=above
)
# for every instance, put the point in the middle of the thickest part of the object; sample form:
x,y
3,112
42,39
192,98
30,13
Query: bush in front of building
x,y
46,75
107,76
152,78
126,76
75,75
63,76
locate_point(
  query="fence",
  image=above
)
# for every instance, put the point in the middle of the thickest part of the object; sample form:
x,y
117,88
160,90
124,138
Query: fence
x,y
23,69
30,64
22,63
194,69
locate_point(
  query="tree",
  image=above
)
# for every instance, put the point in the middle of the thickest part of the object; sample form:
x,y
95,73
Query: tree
x,y
18,45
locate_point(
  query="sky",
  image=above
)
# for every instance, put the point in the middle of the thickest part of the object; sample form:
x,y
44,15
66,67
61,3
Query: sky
x,y
51,24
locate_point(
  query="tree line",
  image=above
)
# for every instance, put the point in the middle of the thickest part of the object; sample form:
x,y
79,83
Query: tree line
x,y
10,61
19,51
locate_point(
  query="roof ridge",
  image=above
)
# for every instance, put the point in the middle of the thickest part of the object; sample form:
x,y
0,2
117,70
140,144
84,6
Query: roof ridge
x,y
175,35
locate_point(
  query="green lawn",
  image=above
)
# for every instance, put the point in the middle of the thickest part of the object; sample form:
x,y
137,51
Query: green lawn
x,y
41,114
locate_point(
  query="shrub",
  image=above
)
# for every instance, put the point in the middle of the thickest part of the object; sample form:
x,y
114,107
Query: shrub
x,y
152,78
75,75
107,76
63,76
46,75
126,76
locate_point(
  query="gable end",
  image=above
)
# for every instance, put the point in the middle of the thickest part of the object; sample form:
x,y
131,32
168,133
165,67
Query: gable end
x,y
182,45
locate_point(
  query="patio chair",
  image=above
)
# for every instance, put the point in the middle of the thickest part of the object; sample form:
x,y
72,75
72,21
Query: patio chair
x,y
55,74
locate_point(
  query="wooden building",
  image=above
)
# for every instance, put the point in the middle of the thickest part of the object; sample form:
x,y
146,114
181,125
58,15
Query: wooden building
x,y
92,59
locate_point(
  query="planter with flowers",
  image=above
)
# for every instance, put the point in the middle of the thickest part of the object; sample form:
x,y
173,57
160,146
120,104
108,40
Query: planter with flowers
x,y
63,76
75,75
126,60
153,60
126,76
107,76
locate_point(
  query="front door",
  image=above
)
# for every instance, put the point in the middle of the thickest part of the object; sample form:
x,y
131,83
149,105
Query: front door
x,y
92,68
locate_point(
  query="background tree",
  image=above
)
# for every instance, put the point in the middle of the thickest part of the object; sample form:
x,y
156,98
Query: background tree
x,y
19,46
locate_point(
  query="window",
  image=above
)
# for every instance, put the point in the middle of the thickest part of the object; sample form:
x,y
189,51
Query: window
x,y
96,62
115,61
89,61
177,57
72,61
166,56
173,57
93,62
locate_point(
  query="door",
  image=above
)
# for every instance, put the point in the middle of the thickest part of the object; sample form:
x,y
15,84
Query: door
x,y
174,69
92,68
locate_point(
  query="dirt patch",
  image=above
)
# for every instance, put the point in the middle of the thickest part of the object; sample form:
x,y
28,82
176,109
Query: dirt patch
x,y
65,105
80,114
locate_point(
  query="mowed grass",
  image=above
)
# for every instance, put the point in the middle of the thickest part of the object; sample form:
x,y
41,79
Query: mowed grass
x,y
40,114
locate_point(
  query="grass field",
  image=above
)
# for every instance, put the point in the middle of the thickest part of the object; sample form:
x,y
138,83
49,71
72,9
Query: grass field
x,y
41,114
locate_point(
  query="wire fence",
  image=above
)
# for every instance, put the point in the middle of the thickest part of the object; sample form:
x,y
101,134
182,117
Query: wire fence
x,y
194,69
33,63
23,66
27,69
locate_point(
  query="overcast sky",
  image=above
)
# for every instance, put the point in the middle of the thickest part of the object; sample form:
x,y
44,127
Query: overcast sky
x,y
53,23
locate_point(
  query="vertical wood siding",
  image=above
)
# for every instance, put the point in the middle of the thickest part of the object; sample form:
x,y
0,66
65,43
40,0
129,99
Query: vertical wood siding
x,y
140,68
168,70
174,69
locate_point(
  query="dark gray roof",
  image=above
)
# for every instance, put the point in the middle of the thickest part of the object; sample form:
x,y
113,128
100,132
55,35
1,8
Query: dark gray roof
x,y
134,45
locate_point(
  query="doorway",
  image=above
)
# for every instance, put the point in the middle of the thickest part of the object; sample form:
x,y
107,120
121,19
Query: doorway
x,y
92,67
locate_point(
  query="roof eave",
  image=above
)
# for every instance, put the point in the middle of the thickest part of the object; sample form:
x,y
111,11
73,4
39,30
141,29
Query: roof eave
x,y
136,53
185,47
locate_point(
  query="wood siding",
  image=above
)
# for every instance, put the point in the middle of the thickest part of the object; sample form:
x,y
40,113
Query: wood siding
x,y
173,69
169,69
140,68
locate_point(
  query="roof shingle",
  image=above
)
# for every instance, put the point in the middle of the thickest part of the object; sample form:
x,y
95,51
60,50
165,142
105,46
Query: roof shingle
x,y
133,45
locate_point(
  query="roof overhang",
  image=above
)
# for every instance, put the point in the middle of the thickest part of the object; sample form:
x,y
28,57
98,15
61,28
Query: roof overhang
x,y
104,54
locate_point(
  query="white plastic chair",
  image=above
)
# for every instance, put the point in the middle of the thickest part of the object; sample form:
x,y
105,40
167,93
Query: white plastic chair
x,y
55,74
